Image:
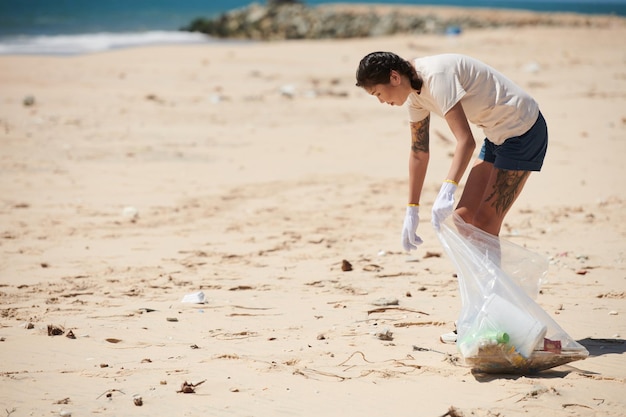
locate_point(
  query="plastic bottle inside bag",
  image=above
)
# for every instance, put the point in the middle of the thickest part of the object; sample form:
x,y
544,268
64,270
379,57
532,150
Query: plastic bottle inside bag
x,y
471,344
495,338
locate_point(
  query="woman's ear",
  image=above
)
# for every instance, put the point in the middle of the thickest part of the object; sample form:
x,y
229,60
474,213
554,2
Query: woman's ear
x,y
395,78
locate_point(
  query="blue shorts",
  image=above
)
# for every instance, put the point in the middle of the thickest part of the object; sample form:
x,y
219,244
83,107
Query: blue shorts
x,y
519,153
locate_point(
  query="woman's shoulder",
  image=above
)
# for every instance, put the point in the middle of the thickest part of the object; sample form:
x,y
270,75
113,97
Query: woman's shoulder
x,y
444,59
459,64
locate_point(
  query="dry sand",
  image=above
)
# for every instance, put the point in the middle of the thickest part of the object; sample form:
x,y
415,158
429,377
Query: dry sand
x,y
255,170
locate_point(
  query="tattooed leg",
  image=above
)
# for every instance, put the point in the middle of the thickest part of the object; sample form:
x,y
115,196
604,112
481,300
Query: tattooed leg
x,y
489,194
506,188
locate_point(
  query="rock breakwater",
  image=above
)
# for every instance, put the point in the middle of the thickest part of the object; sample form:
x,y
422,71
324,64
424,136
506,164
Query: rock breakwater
x,y
294,20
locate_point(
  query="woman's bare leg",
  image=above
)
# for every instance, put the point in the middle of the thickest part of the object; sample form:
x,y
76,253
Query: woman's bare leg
x,y
489,194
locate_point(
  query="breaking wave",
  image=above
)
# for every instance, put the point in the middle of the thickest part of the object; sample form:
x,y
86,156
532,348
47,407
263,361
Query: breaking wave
x,y
94,42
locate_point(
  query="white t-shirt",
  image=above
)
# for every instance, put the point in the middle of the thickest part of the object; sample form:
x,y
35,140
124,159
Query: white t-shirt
x,y
490,100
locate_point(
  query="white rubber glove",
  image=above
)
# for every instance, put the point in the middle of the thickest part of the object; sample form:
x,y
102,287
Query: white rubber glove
x,y
444,204
410,240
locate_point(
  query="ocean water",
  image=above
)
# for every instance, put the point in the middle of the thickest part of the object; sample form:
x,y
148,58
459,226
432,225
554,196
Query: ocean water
x,y
83,26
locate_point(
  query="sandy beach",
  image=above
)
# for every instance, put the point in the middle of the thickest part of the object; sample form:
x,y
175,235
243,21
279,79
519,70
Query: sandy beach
x,y
249,172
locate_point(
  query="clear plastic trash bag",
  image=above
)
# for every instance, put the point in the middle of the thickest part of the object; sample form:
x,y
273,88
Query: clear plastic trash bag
x,y
501,329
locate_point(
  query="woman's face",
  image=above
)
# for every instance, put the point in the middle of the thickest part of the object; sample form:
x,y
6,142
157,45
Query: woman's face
x,y
393,93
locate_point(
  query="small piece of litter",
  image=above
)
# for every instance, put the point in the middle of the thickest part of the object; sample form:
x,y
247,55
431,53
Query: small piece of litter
x,y
195,298
130,213
386,335
386,302
28,101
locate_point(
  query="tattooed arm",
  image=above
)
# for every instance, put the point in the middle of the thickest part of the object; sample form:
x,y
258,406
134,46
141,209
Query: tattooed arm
x,y
418,159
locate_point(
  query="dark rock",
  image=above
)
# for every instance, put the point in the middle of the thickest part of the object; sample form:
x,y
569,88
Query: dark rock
x,y
291,19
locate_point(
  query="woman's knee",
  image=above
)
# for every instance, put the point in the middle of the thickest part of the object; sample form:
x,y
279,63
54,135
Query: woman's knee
x,y
487,222
465,214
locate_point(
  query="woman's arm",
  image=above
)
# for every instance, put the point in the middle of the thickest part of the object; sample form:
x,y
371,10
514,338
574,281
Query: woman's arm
x,y
465,143
418,159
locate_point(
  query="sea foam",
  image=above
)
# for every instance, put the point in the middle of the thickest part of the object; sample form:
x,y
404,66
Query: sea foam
x,y
93,42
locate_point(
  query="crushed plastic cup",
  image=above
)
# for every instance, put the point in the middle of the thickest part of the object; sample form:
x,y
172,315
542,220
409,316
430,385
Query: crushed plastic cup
x,y
194,298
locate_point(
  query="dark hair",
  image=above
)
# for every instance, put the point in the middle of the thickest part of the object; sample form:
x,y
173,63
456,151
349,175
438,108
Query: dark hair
x,y
375,68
